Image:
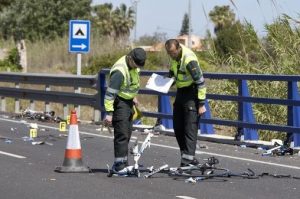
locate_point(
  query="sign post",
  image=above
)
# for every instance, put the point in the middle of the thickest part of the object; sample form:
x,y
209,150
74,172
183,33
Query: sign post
x,y
79,42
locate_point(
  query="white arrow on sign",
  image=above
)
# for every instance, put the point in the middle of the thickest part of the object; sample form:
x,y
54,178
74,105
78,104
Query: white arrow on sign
x,y
82,46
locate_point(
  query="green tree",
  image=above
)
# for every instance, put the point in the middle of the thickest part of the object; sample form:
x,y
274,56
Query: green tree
x,y
228,40
104,18
123,21
238,40
221,16
41,19
185,25
232,37
5,3
117,22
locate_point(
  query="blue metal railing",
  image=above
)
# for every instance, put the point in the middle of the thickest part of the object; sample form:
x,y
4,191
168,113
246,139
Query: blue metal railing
x,y
242,98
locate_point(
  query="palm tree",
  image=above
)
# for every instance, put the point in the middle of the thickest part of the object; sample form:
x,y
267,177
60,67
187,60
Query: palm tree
x,y
221,16
123,20
115,23
104,18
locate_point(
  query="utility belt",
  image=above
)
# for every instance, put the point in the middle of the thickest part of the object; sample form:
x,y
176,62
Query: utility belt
x,y
191,88
188,92
127,101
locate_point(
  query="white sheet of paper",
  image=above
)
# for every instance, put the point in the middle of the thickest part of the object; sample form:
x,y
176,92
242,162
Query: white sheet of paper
x,y
159,83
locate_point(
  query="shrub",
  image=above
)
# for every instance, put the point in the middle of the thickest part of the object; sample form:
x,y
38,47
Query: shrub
x,y
12,61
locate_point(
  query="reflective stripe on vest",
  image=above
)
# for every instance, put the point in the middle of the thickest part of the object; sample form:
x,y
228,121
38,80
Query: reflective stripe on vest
x,y
183,77
131,83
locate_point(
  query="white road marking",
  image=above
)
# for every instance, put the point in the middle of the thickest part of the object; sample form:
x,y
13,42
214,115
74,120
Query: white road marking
x,y
12,155
233,157
249,160
176,148
185,197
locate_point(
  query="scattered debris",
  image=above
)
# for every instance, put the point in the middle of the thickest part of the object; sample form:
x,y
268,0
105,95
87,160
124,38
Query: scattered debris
x,y
27,139
190,180
41,143
279,150
8,141
147,130
39,115
37,143
159,128
13,129
199,146
33,125
276,141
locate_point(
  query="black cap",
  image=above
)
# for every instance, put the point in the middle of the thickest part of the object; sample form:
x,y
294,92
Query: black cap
x,y
139,56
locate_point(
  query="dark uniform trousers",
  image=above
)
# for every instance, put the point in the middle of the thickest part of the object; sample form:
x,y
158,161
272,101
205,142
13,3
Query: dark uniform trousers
x,y
186,119
122,123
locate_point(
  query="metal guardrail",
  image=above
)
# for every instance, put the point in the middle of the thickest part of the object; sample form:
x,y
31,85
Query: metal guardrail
x,y
86,81
98,84
48,80
291,102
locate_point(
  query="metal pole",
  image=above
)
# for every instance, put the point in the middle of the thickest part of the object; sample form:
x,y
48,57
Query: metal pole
x,y
135,4
78,64
190,25
78,90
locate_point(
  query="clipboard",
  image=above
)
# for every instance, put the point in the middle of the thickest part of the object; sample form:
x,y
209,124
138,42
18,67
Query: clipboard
x,y
159,83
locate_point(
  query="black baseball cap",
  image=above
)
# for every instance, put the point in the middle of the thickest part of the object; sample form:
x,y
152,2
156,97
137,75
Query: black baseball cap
x,y
139,56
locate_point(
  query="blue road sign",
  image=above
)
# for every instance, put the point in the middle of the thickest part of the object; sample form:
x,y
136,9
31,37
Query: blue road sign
x,y
79,36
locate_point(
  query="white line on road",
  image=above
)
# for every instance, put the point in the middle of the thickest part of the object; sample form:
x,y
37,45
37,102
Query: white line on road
x,y
185,197
171,147
12,155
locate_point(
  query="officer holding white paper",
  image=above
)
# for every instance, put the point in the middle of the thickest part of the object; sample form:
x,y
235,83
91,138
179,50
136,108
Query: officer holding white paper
x,y
189,104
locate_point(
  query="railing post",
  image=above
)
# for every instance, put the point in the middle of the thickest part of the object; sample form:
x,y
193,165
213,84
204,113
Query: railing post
x,y
293,114
17,101
3,104
164,106
246,112
32,107
97,107
206,128
97,115
240,131
101,86
47,104
66,111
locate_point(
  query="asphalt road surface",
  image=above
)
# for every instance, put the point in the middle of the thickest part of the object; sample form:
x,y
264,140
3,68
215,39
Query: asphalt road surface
x,y
27,170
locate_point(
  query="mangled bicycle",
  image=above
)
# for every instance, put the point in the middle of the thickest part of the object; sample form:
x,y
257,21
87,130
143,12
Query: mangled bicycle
x,y
206,170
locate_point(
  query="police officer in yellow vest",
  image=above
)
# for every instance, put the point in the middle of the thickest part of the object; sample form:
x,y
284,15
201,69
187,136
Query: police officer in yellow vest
x,y
119,100
189,104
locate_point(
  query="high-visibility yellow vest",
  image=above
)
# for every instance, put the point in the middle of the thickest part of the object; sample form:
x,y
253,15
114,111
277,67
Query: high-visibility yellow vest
x,y
131,83
183,77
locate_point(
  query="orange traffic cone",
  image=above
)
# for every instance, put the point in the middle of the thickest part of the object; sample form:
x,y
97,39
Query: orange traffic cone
x,y
73,161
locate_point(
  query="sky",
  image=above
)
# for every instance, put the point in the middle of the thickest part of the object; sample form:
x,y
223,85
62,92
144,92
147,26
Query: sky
x,y
166,16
